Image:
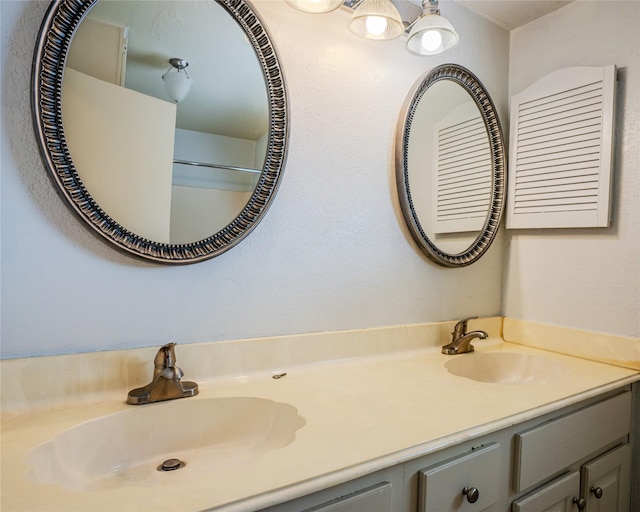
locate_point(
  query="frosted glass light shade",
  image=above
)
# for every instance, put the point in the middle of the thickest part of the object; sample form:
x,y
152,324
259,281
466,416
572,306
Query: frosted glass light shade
x,y
315,6
178,84
431,35
376,19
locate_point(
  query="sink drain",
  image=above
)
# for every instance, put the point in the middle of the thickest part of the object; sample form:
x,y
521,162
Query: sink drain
x,y
171,465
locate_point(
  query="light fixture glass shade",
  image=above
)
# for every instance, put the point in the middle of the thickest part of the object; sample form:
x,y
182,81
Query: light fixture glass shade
x,y
431,35
178,84
376,19
315,6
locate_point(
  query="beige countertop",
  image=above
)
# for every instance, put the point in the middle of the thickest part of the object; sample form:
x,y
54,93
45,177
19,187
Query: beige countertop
x,y
361,414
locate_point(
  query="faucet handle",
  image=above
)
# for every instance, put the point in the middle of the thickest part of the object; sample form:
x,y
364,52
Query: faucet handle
x,y
460,328
166,357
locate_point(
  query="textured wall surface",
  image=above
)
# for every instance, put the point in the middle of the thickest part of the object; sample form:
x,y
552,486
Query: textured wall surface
x,y
332,252
586,278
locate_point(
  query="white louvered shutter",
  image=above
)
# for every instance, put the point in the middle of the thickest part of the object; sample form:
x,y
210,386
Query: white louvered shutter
x,y
561,148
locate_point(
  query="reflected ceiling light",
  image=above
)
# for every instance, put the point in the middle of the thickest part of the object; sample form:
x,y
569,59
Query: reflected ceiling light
x,y
176,80
315,6
376,19
431,34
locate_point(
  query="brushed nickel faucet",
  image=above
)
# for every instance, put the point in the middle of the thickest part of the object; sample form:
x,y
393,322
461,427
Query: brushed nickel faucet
x,y
461,339
166,383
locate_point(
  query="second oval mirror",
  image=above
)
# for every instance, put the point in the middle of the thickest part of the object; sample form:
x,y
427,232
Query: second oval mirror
x,y
450,166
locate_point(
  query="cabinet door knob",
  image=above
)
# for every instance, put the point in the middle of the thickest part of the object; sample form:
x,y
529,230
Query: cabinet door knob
x,y
472,494
597,492
580,503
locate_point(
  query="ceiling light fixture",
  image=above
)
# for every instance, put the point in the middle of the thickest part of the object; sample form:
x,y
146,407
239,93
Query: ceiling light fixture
x,y
431,34
428,33
178,83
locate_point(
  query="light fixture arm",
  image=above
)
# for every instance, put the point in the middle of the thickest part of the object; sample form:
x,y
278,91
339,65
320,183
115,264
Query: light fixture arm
x,y
352,4
430,7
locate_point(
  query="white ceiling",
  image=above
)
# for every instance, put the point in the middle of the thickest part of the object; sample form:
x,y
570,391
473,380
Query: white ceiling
x,y
511,14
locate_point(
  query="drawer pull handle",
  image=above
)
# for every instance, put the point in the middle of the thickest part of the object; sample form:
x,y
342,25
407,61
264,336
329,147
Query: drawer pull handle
x,y
597,492
471,493
580,503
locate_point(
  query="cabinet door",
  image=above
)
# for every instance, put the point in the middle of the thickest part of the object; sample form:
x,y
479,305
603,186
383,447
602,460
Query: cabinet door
x,y
373,499
605,481
467,483
558,496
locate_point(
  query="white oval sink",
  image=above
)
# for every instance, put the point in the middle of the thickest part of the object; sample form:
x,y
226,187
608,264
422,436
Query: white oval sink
x,y
127,447
506,368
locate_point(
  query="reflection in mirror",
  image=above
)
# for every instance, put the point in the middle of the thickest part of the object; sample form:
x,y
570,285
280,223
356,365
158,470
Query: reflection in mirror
x,y
171,172
171,182
450,166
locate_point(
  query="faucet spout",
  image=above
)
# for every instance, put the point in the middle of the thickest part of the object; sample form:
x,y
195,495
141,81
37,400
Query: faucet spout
x,y
167,383
461,339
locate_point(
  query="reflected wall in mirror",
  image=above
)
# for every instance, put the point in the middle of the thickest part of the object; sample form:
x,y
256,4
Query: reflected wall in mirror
x,y
450,166
171,182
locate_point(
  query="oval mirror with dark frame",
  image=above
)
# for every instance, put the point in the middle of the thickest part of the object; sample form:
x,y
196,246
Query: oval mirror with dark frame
x,y
450,166
174,182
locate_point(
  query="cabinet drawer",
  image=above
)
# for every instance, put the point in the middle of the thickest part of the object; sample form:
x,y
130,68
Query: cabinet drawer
x,y
441,486
376,498
548,449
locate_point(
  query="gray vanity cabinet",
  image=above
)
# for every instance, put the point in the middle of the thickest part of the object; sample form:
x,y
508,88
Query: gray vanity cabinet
x,y
552,447
574,458
470,482
590,445
602,485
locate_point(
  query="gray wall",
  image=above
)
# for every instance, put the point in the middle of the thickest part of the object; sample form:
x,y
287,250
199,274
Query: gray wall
x,y
332,253
584,278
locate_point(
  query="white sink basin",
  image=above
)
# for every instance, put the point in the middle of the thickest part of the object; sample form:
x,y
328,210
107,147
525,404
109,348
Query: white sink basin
x,y
506,368
127,447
